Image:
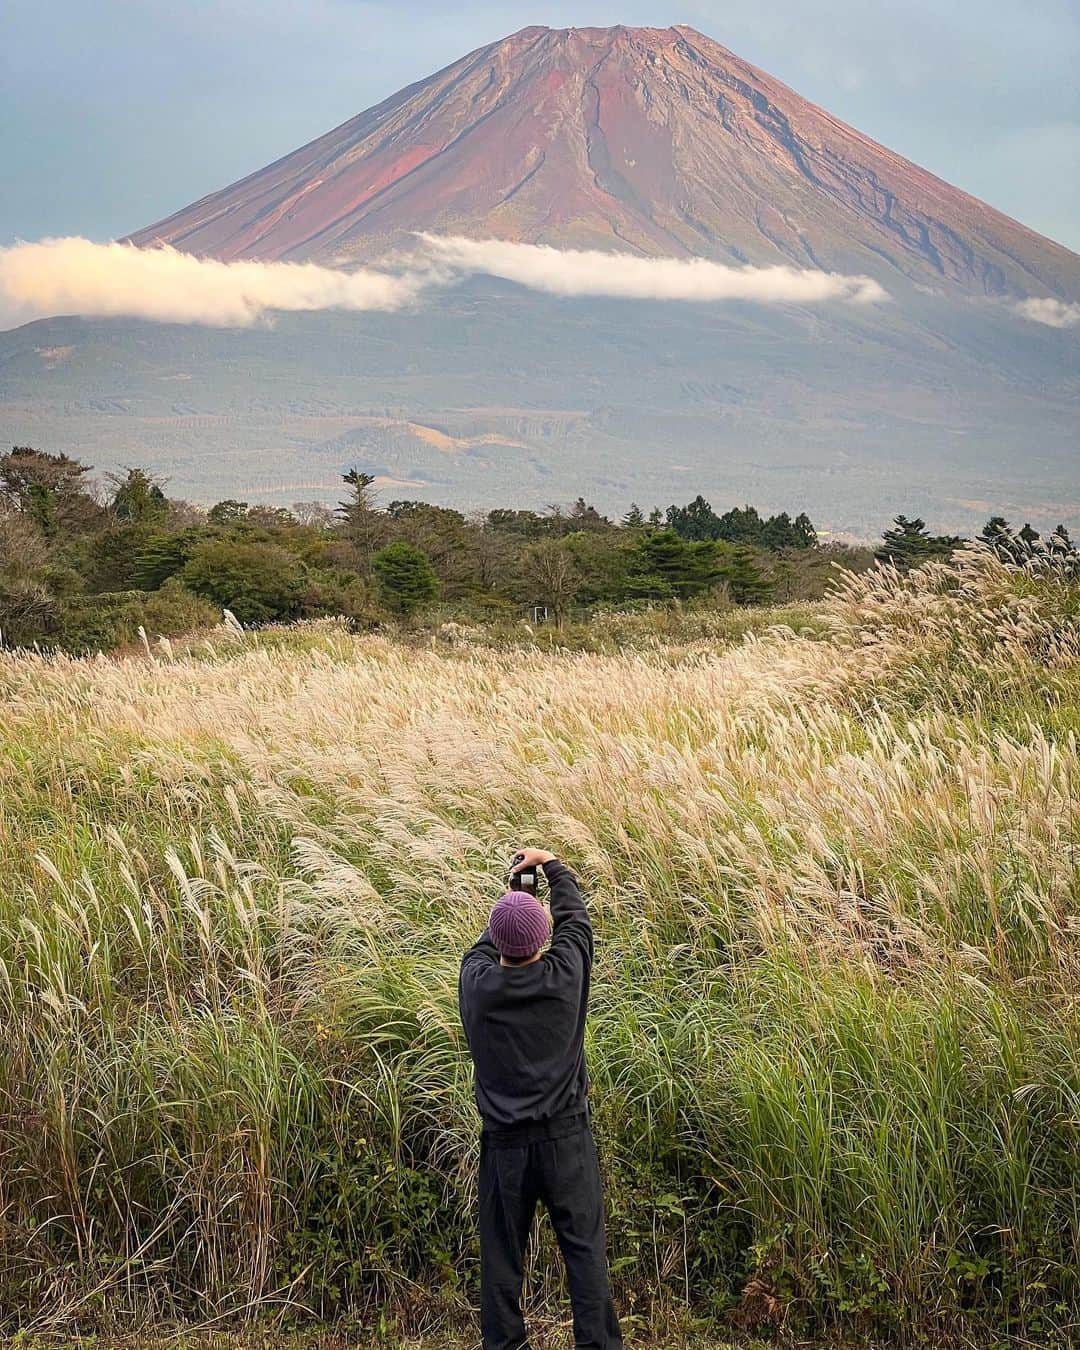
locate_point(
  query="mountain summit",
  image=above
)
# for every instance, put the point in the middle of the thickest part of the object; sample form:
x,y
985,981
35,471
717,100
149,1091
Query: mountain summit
x,y
656,141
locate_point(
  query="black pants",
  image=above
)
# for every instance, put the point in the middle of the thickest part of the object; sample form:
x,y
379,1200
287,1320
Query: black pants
x,y
561,1171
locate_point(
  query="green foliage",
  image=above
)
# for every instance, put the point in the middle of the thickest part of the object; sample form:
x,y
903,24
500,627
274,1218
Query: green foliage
x,y
160,556
227,512
741,525
667,566
530,524
103,622
406,577
742,574
257,581
111,559
138,498
49,490
268,563
908,543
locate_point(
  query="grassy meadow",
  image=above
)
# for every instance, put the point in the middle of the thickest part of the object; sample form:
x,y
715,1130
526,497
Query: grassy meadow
x,y
833,863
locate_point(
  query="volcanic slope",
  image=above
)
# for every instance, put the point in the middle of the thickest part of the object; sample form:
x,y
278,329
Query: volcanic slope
x,y
653,141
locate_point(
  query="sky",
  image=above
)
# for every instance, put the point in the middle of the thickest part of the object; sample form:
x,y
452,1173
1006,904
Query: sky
x,y
117,112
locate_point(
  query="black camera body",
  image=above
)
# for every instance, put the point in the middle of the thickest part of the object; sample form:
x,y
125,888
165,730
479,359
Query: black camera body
x,y
524,880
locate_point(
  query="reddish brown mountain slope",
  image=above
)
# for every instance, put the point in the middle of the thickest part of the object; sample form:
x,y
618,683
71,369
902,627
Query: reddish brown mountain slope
x,y
653,140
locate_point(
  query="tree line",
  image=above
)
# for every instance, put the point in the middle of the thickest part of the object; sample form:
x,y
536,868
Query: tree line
x,y
84,565
908,543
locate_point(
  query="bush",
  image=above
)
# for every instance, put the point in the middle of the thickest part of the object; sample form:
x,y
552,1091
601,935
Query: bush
x,y
257,581
100,623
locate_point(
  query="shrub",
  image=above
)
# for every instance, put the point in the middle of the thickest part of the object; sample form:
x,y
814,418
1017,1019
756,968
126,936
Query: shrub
x,y
257,581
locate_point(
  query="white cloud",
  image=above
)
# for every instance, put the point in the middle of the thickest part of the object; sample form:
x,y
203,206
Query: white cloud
x,y
1054,313
75,276
574,272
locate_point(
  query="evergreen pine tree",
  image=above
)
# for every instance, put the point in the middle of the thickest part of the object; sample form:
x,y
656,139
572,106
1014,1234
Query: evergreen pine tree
x,y
805,534
747,584
1026,539
999,536
362,524
741,525
905,544
670,566
406,577
695,521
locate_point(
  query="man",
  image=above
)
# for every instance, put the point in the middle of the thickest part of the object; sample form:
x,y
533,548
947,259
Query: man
x,y
523,1010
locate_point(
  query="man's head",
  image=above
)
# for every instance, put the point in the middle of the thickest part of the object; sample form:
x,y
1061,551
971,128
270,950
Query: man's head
x,y
519,926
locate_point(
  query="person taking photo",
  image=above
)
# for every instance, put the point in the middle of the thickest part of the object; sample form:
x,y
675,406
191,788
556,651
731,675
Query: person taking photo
x,y
523,1010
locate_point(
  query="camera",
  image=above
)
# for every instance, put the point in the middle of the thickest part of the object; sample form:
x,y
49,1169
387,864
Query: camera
x,y
524,880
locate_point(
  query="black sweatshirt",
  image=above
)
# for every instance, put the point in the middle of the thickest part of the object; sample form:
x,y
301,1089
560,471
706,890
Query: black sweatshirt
x,y
526,1024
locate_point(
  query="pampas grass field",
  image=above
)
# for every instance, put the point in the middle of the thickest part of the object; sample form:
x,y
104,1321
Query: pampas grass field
x,y
835,1030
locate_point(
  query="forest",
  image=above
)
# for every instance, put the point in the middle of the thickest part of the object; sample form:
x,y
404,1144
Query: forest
x,y
85,565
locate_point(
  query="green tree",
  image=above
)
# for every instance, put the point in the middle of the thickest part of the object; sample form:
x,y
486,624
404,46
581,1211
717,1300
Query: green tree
x,y
634,518
741,572
999,536
1026,540
270,517
406,577
138,498
164,555
530,524
447,539
780,532
49,490
908,543
805,533
361,523
584,516
108,558
227,512
741,525
667,566
258,581
696,521
602,559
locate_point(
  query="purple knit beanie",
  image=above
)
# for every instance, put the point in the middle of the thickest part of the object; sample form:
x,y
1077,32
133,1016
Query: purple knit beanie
x,y
519,924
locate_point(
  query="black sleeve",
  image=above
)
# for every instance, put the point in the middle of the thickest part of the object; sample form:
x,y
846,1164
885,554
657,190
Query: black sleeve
x,y
476,960
480,953
569,917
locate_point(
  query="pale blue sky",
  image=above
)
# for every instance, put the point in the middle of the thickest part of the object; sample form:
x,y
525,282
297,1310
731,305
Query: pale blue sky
x,y
115,112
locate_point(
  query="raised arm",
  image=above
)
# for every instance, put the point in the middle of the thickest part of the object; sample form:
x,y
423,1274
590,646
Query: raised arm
x,y
569,917
567,906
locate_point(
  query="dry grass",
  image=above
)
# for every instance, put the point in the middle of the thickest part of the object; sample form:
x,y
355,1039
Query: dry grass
x,y
835,1040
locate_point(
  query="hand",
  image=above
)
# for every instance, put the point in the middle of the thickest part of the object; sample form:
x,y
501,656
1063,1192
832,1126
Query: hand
x,y
530,857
